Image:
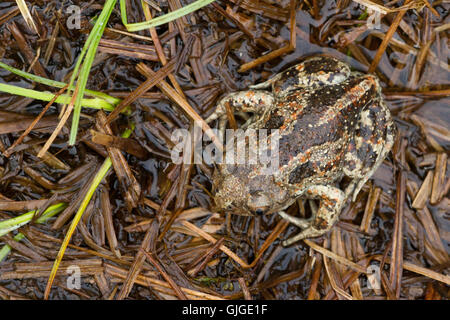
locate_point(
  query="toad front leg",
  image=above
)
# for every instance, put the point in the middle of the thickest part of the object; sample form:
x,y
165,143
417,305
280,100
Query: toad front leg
x,y
254,101
331,201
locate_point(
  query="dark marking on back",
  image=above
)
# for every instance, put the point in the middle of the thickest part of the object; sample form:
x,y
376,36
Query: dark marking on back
x,y
306,133
324,64
275,121
301,172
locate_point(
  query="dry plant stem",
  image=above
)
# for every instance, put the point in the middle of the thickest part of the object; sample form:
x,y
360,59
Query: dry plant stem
x,y
173,94
89,251
27,16
50,159
424,192
23,249
327,253
268,264
247,295
22,205
315,278
164,274
160,51
387,38
263,8
420,270
429,6
370,209
432,235
75,202
281,226
9,15
276,53
133,50
156,284
59,126
208,237
129,184
26,50
332,275
276,232
23,123
169,223
396,269
205,258
31,270
10,150
102,284
439,178
230,116
390,294
51,43
136,267
141,89
130,34
127,145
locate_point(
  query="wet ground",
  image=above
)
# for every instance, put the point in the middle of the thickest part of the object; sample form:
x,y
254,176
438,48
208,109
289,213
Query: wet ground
x,y
210,46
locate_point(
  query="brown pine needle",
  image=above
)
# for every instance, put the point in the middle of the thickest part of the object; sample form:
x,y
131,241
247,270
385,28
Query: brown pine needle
x,y
327,253
169,280
276,53
141,89
182,102
208,237
159,49
387,38
27,15
60,125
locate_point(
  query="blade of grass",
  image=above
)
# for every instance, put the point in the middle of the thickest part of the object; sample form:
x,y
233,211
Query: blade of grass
x,y
132,27
7,248
95,103
106,166
52,83
8,151
24,219
9,225
92,44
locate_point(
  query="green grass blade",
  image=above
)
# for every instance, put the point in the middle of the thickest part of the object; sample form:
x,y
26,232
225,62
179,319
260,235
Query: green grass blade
x,y
106,166
15,223
58,84
162,19
9,225
95,103
7,248
94,39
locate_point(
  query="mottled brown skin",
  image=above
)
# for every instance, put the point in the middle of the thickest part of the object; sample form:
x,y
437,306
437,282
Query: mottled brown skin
x,y
331,121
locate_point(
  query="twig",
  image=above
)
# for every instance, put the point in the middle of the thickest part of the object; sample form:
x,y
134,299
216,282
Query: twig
x,y
276,53
172,283
387,38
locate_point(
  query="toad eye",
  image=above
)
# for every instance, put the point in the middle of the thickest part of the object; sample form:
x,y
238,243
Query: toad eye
x,y
259,212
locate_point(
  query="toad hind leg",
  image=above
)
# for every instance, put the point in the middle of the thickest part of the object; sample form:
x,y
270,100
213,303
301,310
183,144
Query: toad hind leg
x,y
331,201
374,138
